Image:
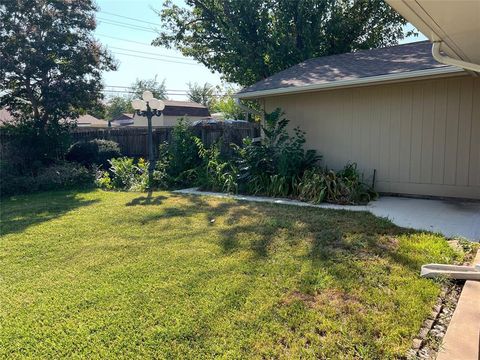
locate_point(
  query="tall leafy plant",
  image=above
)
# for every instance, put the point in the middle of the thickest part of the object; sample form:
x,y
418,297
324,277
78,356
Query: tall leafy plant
x,y
277,161
215,173
181,155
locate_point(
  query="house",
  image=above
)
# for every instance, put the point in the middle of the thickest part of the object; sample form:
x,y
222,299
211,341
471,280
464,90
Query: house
x,y
90,121
173,111
407,120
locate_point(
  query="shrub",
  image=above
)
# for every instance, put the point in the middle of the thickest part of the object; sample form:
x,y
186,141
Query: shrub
x,y
61,175
342,187
96,151
130,175
32,146
215,173
273,165
181,155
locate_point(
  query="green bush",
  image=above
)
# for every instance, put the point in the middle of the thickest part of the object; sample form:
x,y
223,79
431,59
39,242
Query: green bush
x,y
93,152
181,155
61,175
32,145
215,173
342,187
130,175
272,166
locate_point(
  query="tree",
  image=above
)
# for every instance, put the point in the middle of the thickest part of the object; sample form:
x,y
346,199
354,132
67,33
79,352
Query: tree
x,y
117,106
50,67
97,109
202,94
249,40
157,88
227,106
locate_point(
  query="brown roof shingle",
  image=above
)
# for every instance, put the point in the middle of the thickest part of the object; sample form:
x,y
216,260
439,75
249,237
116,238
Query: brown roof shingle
x,y
361,64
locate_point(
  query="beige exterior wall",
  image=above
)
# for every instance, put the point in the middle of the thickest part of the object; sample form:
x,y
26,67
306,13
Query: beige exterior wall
x,y
163,120
422,137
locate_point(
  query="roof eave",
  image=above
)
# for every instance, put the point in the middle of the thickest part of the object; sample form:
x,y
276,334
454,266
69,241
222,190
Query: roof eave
x,y
372,80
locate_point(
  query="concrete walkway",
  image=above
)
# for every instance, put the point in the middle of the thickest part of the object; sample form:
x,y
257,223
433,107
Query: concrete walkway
x,y
450,218
462,339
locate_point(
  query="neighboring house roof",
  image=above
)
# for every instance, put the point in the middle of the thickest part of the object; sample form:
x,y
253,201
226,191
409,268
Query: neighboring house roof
x,y
184,108
89,120
365,66
172,108
124,116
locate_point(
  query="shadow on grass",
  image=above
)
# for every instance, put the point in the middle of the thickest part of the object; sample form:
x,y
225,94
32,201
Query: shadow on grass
x,y
147,200
334,235
17,213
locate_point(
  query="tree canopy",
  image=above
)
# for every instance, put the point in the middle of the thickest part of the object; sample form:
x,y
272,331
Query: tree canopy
x,y
116,106
158,88
50,72
202,94
249,40
50,62
226,105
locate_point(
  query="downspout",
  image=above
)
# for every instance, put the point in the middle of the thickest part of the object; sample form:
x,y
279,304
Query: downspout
x,y
251,111
247,109
451,61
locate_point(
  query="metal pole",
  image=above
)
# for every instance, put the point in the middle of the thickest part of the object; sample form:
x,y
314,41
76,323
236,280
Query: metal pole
x,y
151,160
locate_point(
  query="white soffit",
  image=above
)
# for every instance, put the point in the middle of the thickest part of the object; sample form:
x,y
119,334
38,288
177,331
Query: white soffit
x,y
455,22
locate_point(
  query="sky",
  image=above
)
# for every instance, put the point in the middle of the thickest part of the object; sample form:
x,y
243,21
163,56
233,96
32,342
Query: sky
x,y
127,28
129,41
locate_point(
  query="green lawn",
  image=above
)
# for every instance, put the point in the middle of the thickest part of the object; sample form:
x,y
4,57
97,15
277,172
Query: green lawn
x,y
119,275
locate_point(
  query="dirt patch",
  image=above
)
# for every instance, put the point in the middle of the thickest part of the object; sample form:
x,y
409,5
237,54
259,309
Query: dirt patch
x,y
331,297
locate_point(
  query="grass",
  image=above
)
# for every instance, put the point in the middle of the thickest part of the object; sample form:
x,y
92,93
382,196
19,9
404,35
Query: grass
x,y
124,275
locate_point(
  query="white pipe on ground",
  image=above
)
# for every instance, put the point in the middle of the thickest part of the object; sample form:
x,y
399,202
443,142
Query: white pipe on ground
x,y
451,61
451,271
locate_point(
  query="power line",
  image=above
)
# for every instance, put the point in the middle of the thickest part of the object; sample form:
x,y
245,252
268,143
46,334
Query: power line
x,y
125,23
131,87
167,93
128,26
153,58
130,41
180,92
133,92
129,18
148,53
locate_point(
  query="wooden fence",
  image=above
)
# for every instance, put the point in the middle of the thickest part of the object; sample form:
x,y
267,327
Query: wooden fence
x,y
133,141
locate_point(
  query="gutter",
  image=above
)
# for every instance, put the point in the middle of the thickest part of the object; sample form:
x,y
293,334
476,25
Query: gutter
x,y
451,61
351,82
245,108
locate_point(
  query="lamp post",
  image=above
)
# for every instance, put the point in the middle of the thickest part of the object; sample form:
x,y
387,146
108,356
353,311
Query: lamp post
x,y
149,107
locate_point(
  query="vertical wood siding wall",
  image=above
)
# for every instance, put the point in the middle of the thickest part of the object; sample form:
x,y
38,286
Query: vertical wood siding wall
x,y
422,137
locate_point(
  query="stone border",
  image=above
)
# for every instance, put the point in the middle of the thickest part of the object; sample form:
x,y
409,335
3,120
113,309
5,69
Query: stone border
x,y
270,200
427,343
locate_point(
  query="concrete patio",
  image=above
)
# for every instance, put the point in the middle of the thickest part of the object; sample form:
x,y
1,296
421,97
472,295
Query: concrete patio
x,y
452,218
449,217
